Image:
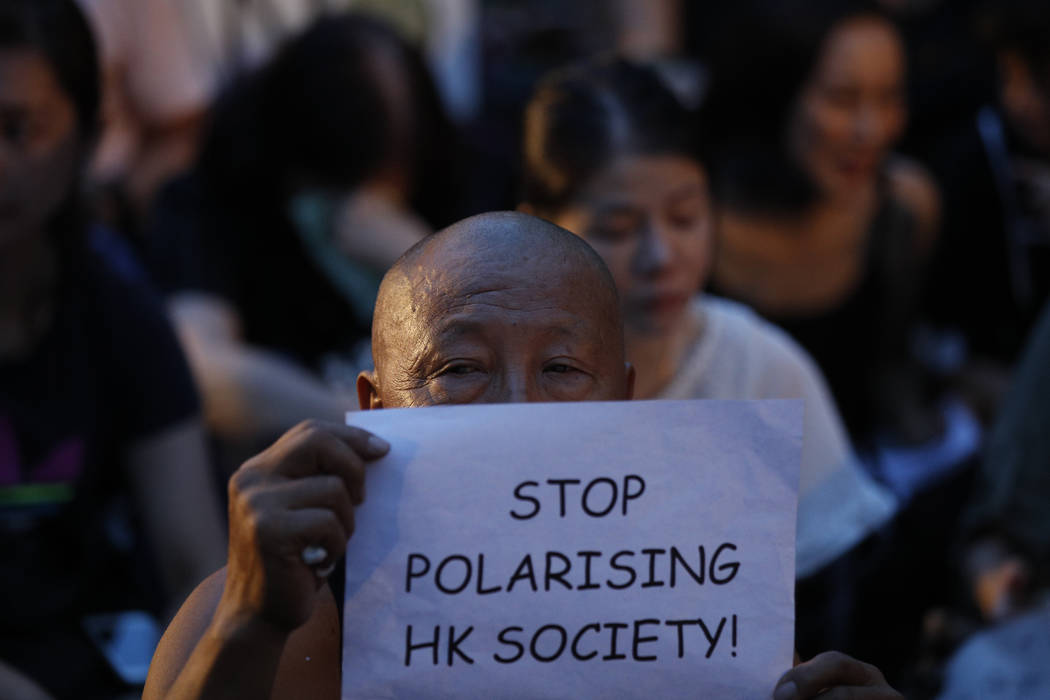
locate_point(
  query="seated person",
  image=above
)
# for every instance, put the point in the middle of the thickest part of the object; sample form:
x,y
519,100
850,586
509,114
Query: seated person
x,y
994,167
498,308
103,464
610,155
155,99
822,228
1007,521
272,250
1005,552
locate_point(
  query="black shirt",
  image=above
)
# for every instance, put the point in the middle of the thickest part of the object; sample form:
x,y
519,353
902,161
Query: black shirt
x,y
108,373
249,254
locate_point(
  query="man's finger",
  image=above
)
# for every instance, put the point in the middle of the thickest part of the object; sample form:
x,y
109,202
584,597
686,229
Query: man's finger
x,y
313,448
315,527
825,671
322,491
366,444
334,456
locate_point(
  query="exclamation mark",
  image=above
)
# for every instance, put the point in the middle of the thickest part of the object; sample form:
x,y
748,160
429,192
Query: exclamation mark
x,y
734,636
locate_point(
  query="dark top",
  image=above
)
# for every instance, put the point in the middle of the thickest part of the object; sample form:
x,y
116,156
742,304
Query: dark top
x,y
861,344
990,272
253,258
108,373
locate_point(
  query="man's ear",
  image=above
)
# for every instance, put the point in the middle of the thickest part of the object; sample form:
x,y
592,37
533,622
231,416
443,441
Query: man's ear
x,y
629,368
368,392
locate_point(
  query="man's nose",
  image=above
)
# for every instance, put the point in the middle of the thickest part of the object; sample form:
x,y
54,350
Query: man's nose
x,y
519,387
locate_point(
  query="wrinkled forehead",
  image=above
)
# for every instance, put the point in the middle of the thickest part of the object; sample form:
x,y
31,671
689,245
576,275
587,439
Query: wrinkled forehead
x,y
520,286
437,297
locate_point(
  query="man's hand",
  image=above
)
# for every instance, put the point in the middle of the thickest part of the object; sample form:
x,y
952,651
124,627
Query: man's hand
x,y
833,675
299,493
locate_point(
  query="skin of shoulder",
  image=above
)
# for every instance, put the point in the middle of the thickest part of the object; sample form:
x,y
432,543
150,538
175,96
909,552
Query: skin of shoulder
x,y
911,184
310,666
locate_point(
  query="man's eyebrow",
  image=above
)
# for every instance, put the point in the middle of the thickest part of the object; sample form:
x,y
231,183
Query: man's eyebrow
x,y
458,328
445,332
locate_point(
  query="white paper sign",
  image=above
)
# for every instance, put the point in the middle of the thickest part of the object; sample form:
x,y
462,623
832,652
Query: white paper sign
x,y
618,549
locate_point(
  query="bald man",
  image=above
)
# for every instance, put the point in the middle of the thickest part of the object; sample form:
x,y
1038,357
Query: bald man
x,y
498,308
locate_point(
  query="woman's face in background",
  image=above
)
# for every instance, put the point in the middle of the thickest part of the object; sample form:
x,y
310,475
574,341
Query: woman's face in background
x,y
39,149
851,110
649,217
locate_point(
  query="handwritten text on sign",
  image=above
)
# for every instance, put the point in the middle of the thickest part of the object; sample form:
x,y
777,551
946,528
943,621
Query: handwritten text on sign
x,y
562,550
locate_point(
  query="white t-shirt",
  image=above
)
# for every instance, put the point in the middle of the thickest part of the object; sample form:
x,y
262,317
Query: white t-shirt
x,y
153,44
740,356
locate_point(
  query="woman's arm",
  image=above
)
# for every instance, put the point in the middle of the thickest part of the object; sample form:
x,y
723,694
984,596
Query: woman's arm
x,y
178,504
248,393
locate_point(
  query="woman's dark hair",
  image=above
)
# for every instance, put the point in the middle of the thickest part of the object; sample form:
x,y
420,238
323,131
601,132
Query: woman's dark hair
x,y
318,112
59,31
1022,26
759,61
581,117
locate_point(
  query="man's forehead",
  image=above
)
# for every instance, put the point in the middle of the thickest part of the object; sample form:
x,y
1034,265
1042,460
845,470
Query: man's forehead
x,y
541,280
515,282
483,319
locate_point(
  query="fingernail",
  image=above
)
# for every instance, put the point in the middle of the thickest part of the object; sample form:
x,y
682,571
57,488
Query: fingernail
x,y
786,691
377,445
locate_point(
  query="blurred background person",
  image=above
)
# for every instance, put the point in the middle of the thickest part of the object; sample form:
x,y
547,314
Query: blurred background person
x,y
1004,561
230,39
156,93
1007,521
825,231
106,501
822,229
611,155
991,270
165,61
317,172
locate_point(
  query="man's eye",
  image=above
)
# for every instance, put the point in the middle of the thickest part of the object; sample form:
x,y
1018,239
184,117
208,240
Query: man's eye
x,y
559,368
458,370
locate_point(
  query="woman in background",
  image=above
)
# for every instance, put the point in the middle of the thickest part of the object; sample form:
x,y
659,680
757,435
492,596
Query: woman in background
x,y
826,232
610,155
317,172
100,431
823,230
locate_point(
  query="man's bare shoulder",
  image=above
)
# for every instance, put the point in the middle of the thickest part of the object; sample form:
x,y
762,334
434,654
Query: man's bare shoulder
x,y
310,663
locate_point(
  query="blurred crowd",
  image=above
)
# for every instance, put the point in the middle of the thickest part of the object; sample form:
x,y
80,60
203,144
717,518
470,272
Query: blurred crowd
x,y
843,202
